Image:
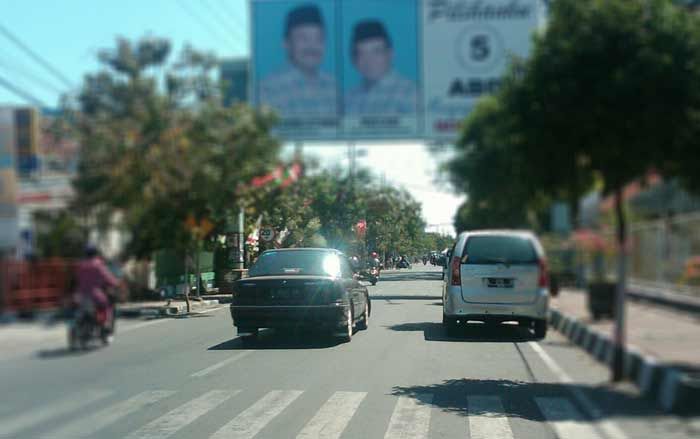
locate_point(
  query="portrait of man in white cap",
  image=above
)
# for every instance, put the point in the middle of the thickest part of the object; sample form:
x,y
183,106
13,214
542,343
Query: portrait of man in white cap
x,y
301,87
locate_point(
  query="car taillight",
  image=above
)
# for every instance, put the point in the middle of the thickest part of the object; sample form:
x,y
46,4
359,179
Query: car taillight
x,y
543,281
456,275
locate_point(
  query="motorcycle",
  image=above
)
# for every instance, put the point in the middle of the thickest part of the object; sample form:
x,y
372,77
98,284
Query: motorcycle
x,y
373,275
89,325
404,264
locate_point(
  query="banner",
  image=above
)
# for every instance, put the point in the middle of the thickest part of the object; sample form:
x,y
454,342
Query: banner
x,y
382,69
468,45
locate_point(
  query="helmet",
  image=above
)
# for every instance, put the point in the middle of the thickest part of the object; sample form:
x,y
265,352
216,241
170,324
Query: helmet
x,y
374,254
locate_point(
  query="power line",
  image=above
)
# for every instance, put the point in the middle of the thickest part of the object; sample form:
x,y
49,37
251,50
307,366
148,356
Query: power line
x,y
36,57
235,18
22,70
198,18
231,14
216,13
21,93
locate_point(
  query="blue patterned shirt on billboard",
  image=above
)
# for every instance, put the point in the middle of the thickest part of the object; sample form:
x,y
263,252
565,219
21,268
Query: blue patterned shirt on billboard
x,y
393,94
292,93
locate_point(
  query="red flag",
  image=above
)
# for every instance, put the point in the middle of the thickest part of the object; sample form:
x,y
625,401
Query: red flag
x,y
361,227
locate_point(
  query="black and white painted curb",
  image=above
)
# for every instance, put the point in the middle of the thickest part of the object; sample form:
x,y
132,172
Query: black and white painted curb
x,y
674,389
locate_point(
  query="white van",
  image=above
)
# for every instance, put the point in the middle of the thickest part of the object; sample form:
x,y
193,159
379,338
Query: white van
x,y
494,276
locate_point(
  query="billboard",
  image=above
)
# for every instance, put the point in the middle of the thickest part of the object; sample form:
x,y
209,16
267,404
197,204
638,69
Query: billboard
x,y
467,48
379,68
382,69
8,181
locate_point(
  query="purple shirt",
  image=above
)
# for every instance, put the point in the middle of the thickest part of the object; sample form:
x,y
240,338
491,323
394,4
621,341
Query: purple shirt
x,y
92,277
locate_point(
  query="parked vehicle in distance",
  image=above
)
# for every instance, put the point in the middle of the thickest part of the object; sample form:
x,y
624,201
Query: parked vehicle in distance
x,y
494,276
303,287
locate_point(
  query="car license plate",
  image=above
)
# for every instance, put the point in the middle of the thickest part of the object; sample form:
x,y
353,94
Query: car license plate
x,y
499,282
284,293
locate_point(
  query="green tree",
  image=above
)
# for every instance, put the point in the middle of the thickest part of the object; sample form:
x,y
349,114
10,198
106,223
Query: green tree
x,y
611,90
158,146
324,208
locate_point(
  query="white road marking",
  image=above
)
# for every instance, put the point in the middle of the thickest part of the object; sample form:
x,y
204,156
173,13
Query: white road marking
x,y
94,422
141,325
333,417
565,419
219,365
253,419
611,430
206,311
487,418
176,419
411,418
10,426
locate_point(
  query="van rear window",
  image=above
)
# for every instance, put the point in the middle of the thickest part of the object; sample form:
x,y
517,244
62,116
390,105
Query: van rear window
x,y
499,250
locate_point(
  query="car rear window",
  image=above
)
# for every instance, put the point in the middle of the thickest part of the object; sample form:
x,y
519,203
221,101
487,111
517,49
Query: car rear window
x,y
499,250
302,262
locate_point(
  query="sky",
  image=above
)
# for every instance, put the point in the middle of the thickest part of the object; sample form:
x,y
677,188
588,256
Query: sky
x,y
68,34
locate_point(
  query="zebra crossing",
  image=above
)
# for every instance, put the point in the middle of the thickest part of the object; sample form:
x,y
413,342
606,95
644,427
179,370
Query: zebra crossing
x,y
97,410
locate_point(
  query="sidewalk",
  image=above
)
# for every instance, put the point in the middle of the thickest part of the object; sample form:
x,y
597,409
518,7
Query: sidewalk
x,y
663,344
166,307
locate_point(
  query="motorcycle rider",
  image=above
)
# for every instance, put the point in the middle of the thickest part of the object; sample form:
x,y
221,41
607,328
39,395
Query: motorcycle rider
x,y
374,260
93,278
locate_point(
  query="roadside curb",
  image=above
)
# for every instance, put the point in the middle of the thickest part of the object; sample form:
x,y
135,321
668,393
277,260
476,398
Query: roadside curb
x,y
672,388
660,296
167,310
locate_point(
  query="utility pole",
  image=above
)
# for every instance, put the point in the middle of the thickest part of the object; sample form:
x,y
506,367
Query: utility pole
x,y
352,157
298,151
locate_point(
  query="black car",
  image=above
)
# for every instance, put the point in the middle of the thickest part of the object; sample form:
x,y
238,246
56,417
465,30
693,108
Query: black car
x,y
304,287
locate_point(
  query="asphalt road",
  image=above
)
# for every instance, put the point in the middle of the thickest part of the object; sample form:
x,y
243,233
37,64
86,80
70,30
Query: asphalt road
x,y
402,378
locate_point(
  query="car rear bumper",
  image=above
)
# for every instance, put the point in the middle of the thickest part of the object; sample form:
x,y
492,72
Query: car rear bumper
x,y
331,316
455,306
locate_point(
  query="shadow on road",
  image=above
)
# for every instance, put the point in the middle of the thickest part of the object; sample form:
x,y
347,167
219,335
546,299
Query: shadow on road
x,y
409,276
405,297
473,333
48,354
270,339
518,398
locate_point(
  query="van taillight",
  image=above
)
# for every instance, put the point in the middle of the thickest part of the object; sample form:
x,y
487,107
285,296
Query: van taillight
x,y
456,275
543,281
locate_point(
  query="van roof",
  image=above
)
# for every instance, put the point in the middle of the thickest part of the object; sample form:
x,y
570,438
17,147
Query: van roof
x,y
500,232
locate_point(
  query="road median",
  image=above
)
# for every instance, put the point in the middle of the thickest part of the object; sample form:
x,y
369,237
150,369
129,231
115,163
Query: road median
x,y
662,358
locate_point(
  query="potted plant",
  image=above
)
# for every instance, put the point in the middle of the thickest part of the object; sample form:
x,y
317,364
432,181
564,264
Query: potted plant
x,y
593,247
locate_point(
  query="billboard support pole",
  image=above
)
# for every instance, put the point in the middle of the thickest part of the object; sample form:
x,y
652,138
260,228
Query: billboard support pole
x,y
298,151
352,156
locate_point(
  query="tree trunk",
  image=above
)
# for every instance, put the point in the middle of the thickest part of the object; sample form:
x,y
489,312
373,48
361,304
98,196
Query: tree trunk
x,y
187,283
198,270
620,336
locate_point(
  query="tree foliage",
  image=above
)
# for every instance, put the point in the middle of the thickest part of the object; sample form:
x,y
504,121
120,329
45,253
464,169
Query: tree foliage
x,y
325,207
611,90
158,146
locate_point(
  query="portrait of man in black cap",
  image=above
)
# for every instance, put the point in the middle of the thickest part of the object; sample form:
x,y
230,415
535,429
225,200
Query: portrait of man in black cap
x,y
383,90
302,88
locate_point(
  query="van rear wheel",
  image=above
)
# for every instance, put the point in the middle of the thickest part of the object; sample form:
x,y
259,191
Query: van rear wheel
x,y
449,324
540,327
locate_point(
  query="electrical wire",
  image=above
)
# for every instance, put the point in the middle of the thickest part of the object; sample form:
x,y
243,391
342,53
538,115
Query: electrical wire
x,y
231,26
22,70
20,92
35,56
198,18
